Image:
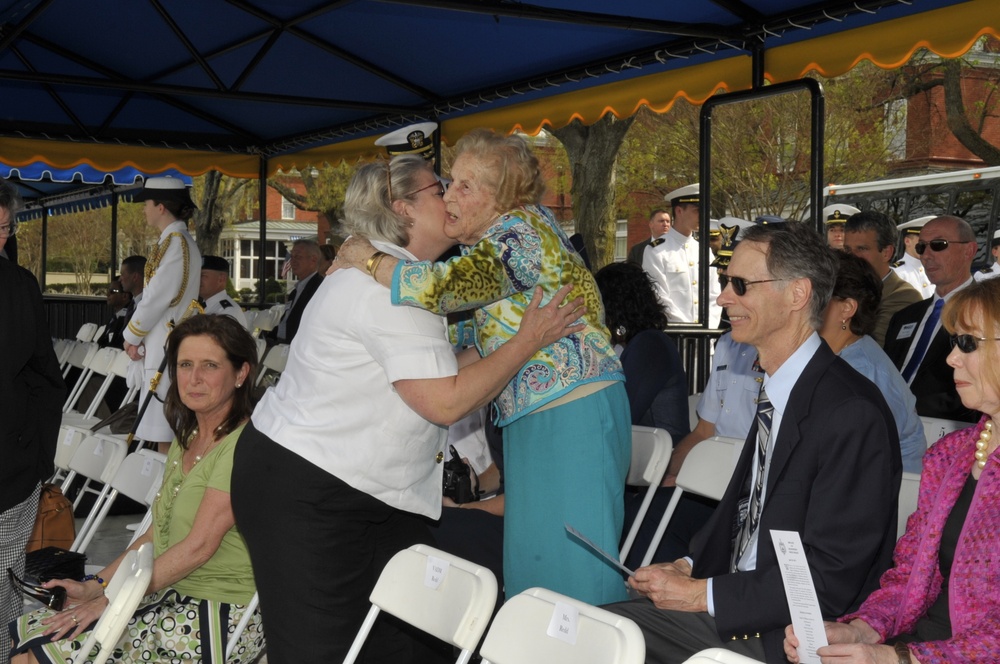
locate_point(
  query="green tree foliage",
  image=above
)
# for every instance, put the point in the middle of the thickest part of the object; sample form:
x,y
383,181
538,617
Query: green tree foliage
x,y
325,189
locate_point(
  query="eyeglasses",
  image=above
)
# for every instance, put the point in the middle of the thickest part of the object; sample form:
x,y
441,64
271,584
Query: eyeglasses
x,y
740,284
115,291
54,598
937,245
9,229
440,191
968,343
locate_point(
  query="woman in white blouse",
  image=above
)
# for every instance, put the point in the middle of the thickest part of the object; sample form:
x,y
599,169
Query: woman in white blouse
x,y
342,461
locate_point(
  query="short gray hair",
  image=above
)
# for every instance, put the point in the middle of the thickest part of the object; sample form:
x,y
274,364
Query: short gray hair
x,y
311,246
796,251
368,209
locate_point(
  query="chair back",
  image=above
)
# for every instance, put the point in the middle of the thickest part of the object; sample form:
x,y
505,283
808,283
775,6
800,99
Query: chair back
x,y
96,458
706,471
139,477
86,332
520,633
274,361
436,592
709,466
909,491
124,592
936,428
693,400
651,449
713,655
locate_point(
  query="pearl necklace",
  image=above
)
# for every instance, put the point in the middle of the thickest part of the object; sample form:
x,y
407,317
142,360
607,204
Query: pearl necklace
x,y
984,442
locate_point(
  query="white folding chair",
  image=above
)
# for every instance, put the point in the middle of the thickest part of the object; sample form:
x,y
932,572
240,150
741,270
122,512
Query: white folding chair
x,y
936,428
96,459
520,633
139,477
274,361
706,471
87,332
241,625
651,450
909,491
124,592
80,356
693,400
713,655
436,592
98,365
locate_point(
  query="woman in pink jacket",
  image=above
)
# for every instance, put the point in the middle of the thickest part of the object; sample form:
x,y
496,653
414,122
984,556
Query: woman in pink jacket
x,y
940,602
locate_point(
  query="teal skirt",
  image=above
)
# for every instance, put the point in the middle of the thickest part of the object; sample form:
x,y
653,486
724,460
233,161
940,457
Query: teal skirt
x,y
567,465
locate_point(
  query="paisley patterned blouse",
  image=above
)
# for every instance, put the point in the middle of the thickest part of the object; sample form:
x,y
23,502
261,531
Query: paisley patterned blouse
x,y
496,277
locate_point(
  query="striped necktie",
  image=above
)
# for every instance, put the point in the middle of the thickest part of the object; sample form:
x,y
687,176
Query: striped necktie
x,y
764,413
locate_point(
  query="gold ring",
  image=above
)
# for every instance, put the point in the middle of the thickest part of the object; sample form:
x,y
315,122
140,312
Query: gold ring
x,y
75,621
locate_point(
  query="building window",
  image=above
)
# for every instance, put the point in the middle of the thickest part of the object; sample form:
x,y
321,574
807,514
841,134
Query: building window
x,y
287,209
621,240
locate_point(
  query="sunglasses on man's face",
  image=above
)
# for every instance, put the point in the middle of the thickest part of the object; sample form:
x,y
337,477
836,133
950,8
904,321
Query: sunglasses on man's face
x,y
740,284
54,598
937,245
968,343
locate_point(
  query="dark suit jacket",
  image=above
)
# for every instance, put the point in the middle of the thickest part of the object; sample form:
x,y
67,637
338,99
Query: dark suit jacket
x,y
635,253
31,387
834,478
295,315
896,294
933,383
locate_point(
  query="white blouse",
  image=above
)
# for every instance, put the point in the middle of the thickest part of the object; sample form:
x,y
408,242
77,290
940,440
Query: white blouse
x,y
335,405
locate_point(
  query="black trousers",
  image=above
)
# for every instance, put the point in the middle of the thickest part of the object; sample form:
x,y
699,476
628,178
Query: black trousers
x,y
317,546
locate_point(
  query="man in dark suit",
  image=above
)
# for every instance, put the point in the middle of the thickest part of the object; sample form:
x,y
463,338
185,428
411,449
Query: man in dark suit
x,y
659,224
822,459
915,341
872,235
305,260
31,396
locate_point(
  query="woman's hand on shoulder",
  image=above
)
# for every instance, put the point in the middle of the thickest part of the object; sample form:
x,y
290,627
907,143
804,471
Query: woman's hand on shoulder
x,y
542,326
355,252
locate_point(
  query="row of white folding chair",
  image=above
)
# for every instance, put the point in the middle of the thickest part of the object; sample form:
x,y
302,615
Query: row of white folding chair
x,y
453,599
62,348
99,364
651,450
706,471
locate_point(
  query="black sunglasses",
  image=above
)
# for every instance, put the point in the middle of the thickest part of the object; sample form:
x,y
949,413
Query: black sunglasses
x,y
937,245
54,598
968,343
740,284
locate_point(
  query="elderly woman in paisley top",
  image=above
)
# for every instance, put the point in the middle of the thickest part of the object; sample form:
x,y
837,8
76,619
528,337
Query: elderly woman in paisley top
x,y
567,433
940,602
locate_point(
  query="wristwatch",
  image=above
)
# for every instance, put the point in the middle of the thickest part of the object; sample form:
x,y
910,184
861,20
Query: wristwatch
x,y
903,653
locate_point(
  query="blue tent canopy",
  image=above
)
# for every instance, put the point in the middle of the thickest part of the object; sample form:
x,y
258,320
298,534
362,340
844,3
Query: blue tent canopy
x,y
61,190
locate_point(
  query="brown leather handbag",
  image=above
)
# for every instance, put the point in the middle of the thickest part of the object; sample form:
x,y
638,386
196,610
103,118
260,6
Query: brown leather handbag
x,y
54,525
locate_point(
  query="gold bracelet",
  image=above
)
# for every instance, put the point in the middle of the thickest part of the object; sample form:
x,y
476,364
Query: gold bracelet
x,y
374,261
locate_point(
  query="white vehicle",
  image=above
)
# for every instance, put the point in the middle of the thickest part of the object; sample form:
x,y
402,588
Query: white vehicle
x,y
972,194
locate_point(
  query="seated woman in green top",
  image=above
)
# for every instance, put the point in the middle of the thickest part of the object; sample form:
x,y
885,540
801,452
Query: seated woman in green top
x,y
202,578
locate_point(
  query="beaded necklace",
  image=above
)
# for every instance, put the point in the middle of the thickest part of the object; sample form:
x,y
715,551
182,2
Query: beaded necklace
x,y
983,444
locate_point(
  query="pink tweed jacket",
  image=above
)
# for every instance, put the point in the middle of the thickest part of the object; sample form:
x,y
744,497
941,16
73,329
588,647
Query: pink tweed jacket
x,y
910,587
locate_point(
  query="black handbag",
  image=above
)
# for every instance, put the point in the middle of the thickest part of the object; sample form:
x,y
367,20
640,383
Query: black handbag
x,y
54,563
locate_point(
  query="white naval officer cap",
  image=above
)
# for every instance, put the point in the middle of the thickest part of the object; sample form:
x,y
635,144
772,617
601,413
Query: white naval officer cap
x,y
687,194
